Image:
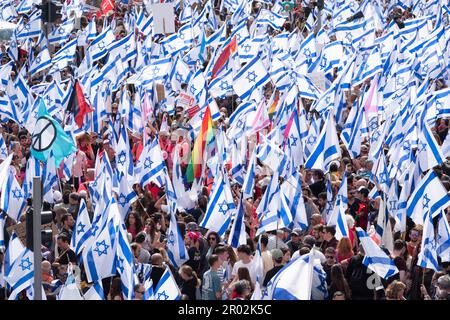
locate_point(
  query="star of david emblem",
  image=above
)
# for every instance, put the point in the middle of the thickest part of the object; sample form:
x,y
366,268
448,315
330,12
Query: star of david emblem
x,y
38,60
17,193
393,205
127,47
147,163
328,99
223,207
202,114
61,30
163,295
323,62
238,37
407,145
293,140
122,200
120,264
338,18
311,140
426,68
425,201
373,124
101,45
383,177
246,48
240,123
94,230
178,77
329,206
307,53
271,18
181,36
80,228
251,76
155,70
122,157
171,239
4,152
348,36
27,27
171,47
25,264
400,81
438,104
193,89
422,146
49,100
224,86
103,245
375,136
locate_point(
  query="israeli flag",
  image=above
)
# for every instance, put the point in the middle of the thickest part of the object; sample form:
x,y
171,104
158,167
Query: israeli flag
x,y
176,249
69,290
180,74
21,274
293,201
124,48
50,180
99,46
222,86
237,234
2,239
148,293
443,238
151,164
4,169
428,196
274,20
33,169
293,140
82,229
249,181
249,79
32,28
429,152
125,264
220,207
293,281
13,198
61,33
167,288
99,256
95,292
42,61
337,217
375,259
327,147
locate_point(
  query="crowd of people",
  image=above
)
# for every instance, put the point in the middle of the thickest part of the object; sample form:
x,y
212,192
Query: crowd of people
x,y
217,266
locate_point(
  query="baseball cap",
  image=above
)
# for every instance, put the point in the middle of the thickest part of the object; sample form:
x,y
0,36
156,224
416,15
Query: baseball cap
x,y
277,254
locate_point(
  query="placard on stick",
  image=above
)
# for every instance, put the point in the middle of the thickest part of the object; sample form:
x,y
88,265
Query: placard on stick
x,y
163,18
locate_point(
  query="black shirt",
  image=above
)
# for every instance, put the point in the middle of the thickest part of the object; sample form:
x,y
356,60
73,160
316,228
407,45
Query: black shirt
x,y
67,256
270,274
189,288
156,274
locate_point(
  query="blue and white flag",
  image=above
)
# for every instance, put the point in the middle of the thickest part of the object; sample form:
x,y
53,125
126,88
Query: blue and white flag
x,y
61,34
220,207
293,281
151,164
95,292
99,256
50,180
148,293
82,229
4,169
428,196
2,239
274,20
443,238
13,198
237,234
42,61
249,180
250,79
293,201
32,28
376,259
125,264
337,217
428,257
21,273
99,46
327,147
167,288
176,248
429,152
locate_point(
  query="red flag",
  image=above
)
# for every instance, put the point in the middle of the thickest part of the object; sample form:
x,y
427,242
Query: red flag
x,y
79,105
193,111
224,56
107,6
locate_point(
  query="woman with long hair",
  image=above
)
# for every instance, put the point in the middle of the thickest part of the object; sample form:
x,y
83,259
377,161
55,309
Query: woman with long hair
x,y
344,249
190,282
338,282
115,292
134,224
396,291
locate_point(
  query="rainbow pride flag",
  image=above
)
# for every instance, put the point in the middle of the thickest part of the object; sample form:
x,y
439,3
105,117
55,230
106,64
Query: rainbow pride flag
x,y
194,169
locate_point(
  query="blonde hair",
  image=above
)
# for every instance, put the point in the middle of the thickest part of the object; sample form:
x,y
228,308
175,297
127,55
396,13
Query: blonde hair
x,y
393,290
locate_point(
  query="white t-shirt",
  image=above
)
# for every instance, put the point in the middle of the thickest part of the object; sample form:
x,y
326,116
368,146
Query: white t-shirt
x,y
249,266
